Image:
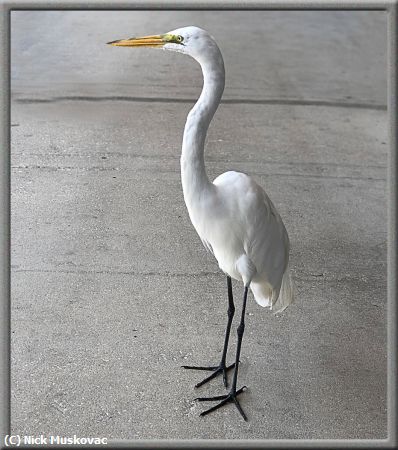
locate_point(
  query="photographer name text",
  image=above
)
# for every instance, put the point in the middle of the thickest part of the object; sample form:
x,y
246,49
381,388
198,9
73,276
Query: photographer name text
x,y
16,440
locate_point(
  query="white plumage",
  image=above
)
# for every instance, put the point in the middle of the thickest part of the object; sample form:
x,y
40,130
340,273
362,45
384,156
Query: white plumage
x,y
233,216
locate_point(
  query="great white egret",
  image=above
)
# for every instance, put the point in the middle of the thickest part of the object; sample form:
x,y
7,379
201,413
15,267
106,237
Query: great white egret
x,y
233,215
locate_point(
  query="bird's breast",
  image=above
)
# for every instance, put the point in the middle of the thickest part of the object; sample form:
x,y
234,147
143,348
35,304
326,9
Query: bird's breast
x,y
220,235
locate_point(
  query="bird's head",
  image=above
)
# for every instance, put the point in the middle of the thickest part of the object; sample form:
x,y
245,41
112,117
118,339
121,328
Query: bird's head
x,y
191,40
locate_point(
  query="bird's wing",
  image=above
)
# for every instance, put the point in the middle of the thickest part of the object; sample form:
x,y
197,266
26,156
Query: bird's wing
x,y
257,223
207,245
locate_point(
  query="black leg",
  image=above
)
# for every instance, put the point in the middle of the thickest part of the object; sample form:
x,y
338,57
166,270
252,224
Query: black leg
x,y
233,394
222,367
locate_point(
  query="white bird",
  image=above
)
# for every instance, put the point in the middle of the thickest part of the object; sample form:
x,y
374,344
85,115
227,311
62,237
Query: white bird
x,y
233,215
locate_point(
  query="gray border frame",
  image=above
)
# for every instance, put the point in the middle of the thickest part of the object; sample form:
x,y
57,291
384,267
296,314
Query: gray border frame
x,y
391,7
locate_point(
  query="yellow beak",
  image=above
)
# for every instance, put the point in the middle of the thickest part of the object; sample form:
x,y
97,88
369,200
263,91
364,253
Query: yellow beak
x,y
147,41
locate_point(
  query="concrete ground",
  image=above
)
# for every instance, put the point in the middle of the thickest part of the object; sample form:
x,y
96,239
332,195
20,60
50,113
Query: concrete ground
x,y
111,288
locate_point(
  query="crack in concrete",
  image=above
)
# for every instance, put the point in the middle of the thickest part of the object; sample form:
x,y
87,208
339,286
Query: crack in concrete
x,y
165,170
227,101
115,272
329,278
210,160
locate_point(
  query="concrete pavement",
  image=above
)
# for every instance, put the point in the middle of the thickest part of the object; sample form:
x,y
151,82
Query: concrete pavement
x,y
111,288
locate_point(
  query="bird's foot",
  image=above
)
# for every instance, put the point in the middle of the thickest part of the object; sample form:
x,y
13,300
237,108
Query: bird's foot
x,y
231,397
222,368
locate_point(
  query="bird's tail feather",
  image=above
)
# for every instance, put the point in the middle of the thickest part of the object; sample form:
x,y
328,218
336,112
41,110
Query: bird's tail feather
x,y
275,299
286,293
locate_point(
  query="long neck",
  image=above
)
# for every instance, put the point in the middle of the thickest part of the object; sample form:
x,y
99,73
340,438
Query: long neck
x,y
193,173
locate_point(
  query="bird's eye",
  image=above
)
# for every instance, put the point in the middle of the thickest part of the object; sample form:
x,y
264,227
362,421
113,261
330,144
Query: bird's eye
x,y
179,38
